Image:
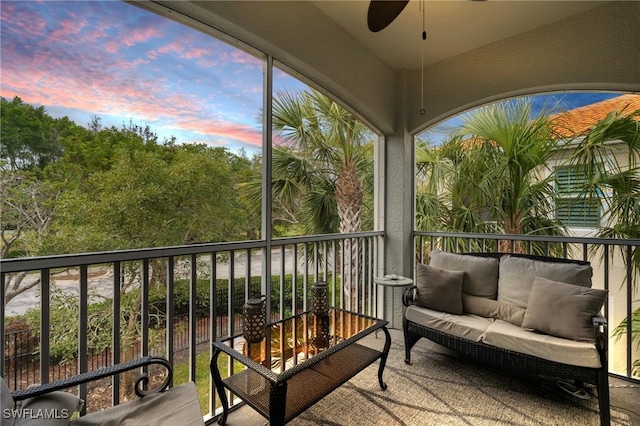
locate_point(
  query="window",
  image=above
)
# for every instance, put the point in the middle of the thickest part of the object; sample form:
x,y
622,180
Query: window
x,y
572,208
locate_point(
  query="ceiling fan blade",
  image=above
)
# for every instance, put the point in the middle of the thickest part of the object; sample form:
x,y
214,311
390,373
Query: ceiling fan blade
x,y
382,12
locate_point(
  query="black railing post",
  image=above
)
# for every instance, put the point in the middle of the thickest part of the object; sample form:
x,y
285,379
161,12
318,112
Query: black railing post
x,y
15,361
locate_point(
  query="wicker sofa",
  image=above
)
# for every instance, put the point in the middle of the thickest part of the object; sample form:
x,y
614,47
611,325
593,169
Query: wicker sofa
x,y
49,405
524,314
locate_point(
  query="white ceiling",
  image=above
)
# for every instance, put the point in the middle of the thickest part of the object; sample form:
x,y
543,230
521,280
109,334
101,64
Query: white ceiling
x,y
453,26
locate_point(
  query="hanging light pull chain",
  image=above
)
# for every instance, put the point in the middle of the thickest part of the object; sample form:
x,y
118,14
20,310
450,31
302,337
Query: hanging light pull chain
x,y
424,38
424,31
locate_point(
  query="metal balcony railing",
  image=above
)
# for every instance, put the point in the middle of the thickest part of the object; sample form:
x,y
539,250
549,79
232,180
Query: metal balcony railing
x,y
194,282
147,289
616,265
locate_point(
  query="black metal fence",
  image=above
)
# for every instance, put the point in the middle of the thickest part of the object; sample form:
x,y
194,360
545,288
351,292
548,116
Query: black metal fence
x,y
21,356
22,367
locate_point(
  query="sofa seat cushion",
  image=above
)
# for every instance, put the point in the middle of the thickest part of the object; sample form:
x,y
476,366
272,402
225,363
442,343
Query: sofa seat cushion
x,y
467,326
176,406
480,273
511,337
51,409
517,274
6,402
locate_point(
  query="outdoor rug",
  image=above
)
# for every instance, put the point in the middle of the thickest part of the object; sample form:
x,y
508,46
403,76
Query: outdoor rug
x,y
438,389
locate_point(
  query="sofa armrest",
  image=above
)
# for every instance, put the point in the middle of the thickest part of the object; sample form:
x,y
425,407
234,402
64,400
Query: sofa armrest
x,y
102,373
601,329
408,295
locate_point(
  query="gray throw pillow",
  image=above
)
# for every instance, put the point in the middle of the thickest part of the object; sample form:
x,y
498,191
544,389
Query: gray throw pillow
x,y
517,274
563,310
439,289
481,273
490,308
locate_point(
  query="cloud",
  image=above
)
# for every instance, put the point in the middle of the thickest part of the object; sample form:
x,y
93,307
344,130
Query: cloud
x,y
67,32
144,31
118,60
25,22
246,134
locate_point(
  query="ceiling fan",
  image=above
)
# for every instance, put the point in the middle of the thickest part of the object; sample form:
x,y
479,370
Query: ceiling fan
x,y
382,13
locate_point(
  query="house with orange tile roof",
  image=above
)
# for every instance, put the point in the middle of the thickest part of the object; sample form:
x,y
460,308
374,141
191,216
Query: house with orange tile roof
x,y
580,215
579,121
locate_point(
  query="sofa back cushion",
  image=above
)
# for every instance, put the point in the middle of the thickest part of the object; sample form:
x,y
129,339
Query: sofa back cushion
x,y
439,289
517,274
480,273
490,308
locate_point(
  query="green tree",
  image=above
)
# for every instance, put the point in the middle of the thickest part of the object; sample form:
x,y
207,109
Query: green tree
x,y
323,156
110,189
445,184
31,143
28,135
26,211
96,148
613,179
487,178
181,195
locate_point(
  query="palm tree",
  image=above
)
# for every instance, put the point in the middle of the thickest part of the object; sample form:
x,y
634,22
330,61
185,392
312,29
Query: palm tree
x,y
487,178
319,162
612,177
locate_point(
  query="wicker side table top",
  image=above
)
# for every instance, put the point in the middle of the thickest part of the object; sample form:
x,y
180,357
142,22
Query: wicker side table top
x,y
393,281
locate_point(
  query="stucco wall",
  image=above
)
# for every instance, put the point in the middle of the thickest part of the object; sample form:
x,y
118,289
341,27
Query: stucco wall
x,y
596,50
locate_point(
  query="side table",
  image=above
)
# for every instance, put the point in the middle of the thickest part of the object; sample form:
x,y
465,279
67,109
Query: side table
x,y
393,282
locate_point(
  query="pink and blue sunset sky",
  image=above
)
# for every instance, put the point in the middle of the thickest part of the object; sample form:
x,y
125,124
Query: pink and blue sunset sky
x,y
122,63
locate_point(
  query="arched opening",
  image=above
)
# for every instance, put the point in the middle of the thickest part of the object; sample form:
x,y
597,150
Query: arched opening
x,y
559,168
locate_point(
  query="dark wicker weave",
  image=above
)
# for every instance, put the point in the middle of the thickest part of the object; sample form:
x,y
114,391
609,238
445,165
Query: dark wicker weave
x,y
102,373
282,397
519,363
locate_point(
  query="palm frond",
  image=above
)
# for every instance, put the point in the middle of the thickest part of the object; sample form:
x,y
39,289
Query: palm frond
x,y
321,212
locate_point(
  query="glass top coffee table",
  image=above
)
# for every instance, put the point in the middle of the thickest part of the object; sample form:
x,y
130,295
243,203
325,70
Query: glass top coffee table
x,y
302,359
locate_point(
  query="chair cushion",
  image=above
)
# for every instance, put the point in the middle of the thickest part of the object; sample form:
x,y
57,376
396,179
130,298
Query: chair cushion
x,y
51,409
517,274
552,348
176,406
563,310
490,308
439,289
6,402
467,326
481,274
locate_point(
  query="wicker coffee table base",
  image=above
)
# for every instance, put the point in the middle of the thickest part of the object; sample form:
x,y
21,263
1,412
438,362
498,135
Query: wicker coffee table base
x,y
280,398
